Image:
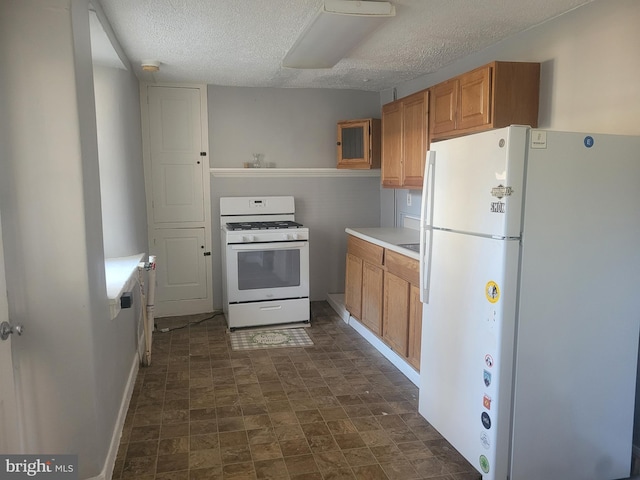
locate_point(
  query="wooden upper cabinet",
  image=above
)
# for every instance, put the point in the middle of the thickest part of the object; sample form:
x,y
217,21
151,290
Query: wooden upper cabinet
x,y
474,99
444,105
405,141
493,96
359,144
391,173
415,138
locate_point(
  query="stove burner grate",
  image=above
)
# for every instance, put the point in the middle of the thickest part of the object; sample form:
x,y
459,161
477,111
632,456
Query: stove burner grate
x,y
275,225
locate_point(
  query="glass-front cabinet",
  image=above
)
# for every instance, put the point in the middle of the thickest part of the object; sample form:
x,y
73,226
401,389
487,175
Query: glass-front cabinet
x,y
359,143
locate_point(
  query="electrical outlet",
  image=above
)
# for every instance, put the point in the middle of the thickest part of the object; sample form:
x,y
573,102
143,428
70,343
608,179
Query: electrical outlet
x,y
408,199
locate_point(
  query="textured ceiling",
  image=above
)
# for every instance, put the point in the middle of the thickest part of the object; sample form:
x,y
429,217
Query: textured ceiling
x,y
243,42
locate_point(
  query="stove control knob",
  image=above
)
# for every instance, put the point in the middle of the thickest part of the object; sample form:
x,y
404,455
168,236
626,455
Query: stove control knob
x,y
248,238
296,236
286,236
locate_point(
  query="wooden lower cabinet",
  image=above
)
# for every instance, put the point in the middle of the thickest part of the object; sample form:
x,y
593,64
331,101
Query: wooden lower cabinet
x,y
372,288
415,327
396,313
353,286
381,291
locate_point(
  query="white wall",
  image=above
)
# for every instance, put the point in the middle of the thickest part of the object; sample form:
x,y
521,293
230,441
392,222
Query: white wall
x,y
72,362
124,222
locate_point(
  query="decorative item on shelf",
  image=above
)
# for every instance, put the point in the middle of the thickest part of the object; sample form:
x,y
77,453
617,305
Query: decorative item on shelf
x,y
256,160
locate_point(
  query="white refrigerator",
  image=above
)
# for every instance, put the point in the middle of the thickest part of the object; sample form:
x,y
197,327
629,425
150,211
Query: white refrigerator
x,y
530,276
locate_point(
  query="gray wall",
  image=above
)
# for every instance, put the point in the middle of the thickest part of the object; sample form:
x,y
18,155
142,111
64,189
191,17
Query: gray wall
x,y
73,362
325,205
290,127
294,128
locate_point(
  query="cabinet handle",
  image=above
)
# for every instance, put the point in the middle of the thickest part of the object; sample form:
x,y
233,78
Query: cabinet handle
x,y
338,144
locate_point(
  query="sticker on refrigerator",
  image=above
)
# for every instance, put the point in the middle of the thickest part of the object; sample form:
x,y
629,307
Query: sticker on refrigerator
x,y
486,402
538,139
486,420
588,141
501,191
492,291
488,360
484,464
485,441
487,378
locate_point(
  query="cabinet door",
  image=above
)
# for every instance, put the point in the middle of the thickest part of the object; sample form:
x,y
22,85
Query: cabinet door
x,y
353,286
443,107
391,174
474,103
181,265
175,143
396,313
414,138
415,327
372,285
354,148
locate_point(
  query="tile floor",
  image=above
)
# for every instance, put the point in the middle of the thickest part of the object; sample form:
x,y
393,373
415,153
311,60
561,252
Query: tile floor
x,y
337,410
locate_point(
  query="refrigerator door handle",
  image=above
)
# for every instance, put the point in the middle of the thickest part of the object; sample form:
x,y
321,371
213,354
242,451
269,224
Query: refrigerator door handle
x,y
426,218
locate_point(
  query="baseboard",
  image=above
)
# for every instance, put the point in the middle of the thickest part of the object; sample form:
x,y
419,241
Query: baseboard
x,y
336,300
110,461
390,355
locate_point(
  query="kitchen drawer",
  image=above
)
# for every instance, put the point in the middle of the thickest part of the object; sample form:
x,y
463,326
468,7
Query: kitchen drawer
x,y
402,266
369,252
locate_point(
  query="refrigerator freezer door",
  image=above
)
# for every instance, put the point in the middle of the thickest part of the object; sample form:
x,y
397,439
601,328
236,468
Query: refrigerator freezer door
x,y
467,346
479,182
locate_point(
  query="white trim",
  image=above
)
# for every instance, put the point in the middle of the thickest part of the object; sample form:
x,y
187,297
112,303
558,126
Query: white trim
x,y
121,276
110,460
336,300
382,347
291,172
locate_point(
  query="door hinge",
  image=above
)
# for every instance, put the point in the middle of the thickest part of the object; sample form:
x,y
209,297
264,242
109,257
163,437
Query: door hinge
x,y
207,254
203,154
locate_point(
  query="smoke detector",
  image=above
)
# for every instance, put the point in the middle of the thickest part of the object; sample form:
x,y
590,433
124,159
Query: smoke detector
x,y
150,65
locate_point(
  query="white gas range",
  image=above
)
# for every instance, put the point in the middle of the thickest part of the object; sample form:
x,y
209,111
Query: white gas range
x,y
265,262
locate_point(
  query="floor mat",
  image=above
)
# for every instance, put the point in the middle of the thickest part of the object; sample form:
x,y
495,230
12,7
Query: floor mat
x,y
248,340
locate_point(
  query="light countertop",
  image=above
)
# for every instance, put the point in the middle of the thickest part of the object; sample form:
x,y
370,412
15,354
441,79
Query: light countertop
x,y
389,238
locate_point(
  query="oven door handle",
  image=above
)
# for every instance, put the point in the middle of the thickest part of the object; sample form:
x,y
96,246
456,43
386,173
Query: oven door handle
x,y
268,246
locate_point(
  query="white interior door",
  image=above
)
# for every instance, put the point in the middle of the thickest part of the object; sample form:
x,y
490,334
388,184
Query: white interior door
x,y
181,264
9,433
177,167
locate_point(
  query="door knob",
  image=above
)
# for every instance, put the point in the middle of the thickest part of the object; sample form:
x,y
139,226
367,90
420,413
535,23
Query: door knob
x,y
7,329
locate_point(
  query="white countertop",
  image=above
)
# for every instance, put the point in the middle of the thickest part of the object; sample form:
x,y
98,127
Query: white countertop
x,y
389,238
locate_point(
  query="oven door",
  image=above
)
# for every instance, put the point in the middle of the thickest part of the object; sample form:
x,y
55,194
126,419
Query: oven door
x,y
267,271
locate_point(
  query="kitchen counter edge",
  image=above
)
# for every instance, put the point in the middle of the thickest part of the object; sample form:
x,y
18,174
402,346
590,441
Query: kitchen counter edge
x,y
390,238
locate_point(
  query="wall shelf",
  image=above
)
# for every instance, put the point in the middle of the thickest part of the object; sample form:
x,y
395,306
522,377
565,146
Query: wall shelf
x,y
291,172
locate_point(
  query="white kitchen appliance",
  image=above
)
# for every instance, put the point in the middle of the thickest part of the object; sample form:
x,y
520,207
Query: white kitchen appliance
x,y
530,273
265,262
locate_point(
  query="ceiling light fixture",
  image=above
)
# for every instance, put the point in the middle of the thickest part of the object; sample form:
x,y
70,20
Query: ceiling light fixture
x,y
337,29
150,65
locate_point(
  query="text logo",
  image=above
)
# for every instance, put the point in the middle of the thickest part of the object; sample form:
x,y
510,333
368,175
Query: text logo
x,y
55,467
498,207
